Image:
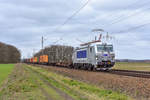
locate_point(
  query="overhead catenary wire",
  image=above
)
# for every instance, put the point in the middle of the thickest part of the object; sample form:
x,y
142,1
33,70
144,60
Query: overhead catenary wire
x,y
133,28
116,17
68,19
122,18
116,21
127,17
74,14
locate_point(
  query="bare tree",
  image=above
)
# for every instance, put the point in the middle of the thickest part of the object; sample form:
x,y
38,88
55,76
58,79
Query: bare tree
x,y
57,53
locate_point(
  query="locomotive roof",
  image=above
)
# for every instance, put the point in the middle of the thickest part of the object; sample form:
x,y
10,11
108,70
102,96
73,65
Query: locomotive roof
x,y
98,43
93,44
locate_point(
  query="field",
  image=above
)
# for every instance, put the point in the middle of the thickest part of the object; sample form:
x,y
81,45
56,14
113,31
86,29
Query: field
x,y
35,83
138,66
41,82
5,70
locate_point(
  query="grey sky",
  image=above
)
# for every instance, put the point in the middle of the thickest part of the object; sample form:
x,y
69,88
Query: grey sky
x,y
23,22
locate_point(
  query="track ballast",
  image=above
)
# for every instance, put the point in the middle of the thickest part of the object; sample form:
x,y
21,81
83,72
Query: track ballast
x,y
140,74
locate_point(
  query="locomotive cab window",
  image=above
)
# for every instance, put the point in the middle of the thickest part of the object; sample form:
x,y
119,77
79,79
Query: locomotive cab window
x,y
90,49
108,48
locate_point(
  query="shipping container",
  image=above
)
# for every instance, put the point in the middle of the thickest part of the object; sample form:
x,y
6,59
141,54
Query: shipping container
x,y
41,59
35,59
44,59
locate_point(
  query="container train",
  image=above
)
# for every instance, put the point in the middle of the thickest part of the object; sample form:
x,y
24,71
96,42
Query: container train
x,y
93,55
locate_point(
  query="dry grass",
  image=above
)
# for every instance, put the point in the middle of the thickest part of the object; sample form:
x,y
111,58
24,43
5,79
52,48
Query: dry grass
x,y
138,66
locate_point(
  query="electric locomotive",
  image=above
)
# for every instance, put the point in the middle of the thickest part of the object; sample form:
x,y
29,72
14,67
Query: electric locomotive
x,y
94,56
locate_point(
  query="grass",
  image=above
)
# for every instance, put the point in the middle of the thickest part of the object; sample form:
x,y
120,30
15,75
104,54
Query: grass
x,y
52,93
21,85
34,83
5,70
24,85
55,83
138,66
79,90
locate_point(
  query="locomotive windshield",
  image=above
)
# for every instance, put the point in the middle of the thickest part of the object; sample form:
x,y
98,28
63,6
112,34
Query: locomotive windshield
x,y
108,48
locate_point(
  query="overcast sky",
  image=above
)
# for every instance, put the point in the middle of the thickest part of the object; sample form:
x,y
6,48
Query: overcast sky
x,y
23,22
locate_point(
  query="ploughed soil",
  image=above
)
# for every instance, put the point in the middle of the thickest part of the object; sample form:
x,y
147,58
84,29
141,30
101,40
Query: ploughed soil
x,y
139,88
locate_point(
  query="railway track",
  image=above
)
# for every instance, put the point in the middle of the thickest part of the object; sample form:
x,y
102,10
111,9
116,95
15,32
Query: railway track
x,y
140,74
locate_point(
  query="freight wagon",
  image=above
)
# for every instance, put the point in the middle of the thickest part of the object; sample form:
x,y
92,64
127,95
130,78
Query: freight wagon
x,y
54,55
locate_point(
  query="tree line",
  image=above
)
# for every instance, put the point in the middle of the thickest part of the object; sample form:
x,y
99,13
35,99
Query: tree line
x,y
57,53
9,53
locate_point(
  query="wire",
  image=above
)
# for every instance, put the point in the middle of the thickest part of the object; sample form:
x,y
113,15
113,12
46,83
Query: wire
x,y
123,17
57,41
69,18
80,40
112,14
129,16
133,28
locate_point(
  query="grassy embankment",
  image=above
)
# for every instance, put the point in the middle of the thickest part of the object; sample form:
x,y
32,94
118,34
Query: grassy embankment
x,y
34,83
138,66
79,90
5,70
